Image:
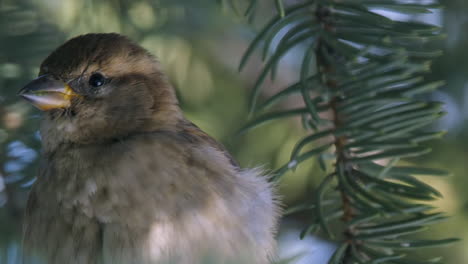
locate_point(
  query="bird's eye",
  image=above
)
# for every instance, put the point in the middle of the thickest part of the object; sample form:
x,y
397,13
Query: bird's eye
x,y
97,80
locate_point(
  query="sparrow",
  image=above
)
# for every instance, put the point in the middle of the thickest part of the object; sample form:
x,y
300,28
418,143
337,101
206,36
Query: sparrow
x,y
124,177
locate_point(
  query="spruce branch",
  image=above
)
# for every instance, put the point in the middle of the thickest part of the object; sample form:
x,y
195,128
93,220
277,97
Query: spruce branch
x,y
365,70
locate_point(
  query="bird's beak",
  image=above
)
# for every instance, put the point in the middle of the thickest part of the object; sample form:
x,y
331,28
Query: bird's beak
x,y
47,93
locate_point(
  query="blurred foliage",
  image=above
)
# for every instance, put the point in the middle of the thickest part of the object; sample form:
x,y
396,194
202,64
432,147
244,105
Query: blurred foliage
x,y
200,45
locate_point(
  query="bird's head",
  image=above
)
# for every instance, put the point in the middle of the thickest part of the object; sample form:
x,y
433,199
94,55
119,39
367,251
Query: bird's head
x,y
100,87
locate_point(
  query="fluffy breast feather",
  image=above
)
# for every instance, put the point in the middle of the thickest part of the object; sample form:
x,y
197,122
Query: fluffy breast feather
x,y
146,196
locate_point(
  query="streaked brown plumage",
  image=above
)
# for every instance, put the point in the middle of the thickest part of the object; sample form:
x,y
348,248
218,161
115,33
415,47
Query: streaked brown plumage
x,y
125,178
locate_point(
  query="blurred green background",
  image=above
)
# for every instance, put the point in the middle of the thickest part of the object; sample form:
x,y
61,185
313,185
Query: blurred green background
x,y
199,45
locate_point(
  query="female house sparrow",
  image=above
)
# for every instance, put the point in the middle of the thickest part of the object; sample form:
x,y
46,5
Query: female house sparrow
x,y
125,178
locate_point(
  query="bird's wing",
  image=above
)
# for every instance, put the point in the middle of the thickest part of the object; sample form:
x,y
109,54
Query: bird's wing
x,y
177,191
194,134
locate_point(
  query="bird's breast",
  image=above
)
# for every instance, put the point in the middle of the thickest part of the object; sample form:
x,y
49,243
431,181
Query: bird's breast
x,y
150,196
